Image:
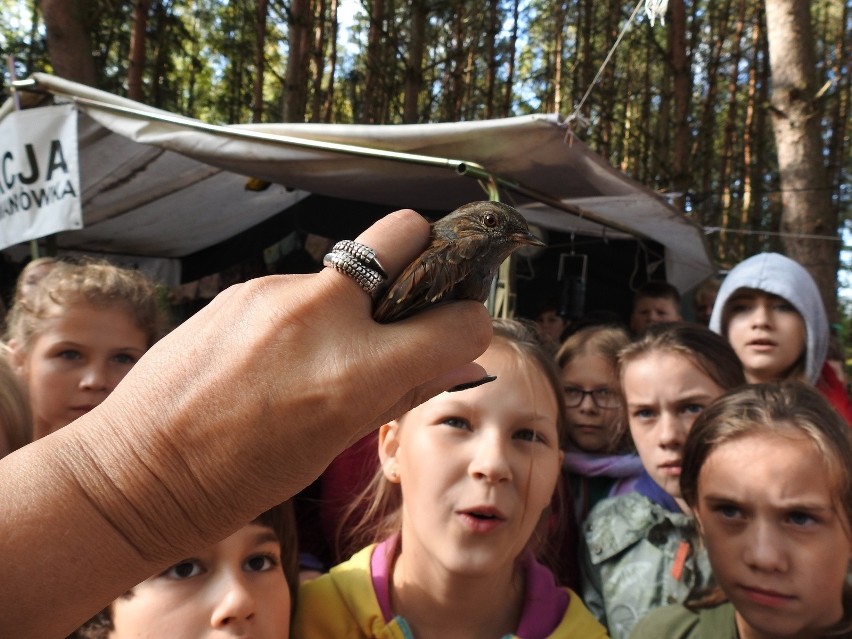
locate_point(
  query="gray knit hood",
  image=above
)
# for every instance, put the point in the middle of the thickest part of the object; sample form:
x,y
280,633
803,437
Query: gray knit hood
x,y
773,273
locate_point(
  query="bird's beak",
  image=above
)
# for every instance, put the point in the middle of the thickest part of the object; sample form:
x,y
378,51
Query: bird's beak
x,y
525,237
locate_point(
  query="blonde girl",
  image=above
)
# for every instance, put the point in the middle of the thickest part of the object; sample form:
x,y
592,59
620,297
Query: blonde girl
x,y
640,548
599,457
466,480
75,332
768,475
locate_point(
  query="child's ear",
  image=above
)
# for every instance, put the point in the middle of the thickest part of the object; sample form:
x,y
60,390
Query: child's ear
x,y
17,356
388,447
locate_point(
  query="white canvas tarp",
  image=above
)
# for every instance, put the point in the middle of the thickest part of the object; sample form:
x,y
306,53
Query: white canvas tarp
x,y
159,185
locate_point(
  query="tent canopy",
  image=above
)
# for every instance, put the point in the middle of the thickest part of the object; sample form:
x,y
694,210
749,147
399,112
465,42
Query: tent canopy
x,y
158,185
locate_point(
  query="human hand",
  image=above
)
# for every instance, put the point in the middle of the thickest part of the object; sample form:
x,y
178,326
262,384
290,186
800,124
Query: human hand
x,y
251,398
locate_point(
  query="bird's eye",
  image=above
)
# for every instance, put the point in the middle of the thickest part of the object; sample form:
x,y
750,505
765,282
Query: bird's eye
x,y
490,220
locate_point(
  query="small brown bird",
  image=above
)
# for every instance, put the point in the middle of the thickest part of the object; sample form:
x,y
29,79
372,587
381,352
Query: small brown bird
x,y
466,249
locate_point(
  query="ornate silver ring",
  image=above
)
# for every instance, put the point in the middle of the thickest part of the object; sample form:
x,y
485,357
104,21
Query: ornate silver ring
x,y
366,272
362,253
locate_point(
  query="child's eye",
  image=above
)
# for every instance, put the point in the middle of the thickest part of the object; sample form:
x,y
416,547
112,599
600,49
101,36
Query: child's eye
x,y
573,396
785,307
643,413
798,518
261,562
529,435
739,307
184,570
728,511
693,409
69,355
124,358
456,422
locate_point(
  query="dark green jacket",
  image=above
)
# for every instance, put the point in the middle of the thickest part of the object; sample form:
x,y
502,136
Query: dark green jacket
x,y
679,622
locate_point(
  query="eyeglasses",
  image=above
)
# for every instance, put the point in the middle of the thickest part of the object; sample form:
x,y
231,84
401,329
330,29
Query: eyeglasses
x,y
602,397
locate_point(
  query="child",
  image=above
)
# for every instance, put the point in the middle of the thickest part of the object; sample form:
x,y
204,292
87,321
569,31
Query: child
x,y
75,333
777,528
550,324
244,585
641,550
597,459
655,302
703,300
14,410
770,309
465,481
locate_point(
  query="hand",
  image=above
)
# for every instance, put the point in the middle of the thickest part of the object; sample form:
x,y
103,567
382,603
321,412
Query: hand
x,y
280,374
234,411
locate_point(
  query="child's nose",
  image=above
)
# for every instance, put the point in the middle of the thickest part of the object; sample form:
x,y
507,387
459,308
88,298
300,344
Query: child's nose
x,y
760,315
764,548
587,404
95,377
235,603
671,430
490,461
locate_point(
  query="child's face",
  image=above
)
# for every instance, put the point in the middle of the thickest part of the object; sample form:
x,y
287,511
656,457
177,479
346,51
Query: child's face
x,y
589,425
774,534
477,469
76,360
653,310
235,588
665,393
550,325
766,333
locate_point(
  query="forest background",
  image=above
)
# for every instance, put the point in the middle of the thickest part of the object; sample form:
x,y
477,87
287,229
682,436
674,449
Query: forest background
x,y
737,109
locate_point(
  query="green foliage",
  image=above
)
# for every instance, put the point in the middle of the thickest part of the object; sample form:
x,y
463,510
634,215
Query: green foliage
x,y
200,61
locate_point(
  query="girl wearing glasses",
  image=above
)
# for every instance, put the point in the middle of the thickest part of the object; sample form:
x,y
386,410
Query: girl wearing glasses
x,y
599,460
641,549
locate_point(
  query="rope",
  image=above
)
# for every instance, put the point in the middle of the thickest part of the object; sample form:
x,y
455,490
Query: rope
x,y
576,116
708,230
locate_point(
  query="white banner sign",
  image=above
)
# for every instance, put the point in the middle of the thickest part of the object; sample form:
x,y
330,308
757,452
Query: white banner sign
x,y
39,174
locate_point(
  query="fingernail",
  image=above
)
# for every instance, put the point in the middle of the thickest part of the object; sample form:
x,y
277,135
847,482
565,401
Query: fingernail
x,y
473,384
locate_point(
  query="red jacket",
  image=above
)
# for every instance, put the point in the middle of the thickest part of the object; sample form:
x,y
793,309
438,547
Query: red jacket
x,y
834,391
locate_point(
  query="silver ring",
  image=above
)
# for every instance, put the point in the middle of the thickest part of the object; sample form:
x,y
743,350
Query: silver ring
x,y
367,278
360,252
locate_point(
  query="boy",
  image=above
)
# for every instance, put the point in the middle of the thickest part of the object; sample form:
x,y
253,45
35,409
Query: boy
x,y
655,302
244,585
771,312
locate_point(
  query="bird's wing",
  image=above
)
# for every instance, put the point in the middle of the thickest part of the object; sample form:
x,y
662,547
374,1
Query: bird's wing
x,y
427,280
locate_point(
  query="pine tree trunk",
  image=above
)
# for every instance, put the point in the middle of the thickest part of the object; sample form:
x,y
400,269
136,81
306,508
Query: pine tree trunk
x,y
137,50
558,55
373,82
69,43
805,197
259,60
295,83
838,149
510,75
731,133
328,105
414,64
682,88
491,57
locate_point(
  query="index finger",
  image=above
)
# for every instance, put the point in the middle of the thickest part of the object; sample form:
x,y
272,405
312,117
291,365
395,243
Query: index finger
x,y
397,238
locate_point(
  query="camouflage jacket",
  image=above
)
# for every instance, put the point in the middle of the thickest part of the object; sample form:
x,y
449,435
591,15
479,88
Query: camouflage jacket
x,y
638,556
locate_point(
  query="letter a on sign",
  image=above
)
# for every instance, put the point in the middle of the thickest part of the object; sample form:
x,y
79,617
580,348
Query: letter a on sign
x,y
39,174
